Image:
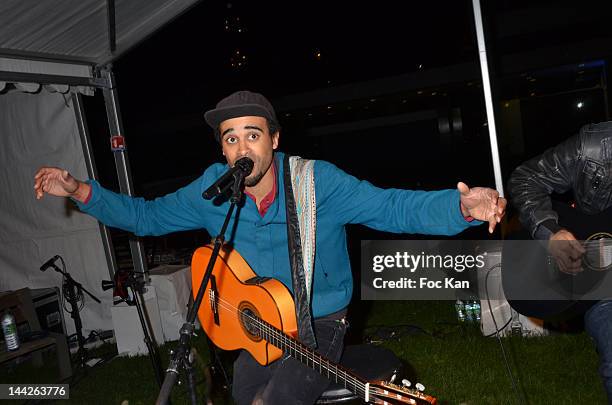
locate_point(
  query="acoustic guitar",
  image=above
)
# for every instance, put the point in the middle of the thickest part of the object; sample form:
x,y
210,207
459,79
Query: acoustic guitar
x,y
241,310
532,280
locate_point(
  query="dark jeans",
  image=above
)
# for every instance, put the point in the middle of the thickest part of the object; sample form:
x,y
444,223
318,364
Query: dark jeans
x,y
287,381
598,323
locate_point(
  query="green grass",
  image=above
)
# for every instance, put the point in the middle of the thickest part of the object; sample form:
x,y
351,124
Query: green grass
x,y
454,361
460,366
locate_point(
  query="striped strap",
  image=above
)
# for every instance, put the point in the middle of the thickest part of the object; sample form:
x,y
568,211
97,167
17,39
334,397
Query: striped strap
x,y
299,200
302,179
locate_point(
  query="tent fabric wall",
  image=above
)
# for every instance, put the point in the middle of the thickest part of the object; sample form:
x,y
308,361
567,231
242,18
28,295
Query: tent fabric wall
x,y
36,130
38,127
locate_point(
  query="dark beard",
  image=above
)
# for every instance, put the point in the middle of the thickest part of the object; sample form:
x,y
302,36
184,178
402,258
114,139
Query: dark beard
x,y
250,182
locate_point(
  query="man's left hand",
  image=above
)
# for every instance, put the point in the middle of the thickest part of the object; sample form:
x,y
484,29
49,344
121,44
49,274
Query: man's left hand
x,y
482,203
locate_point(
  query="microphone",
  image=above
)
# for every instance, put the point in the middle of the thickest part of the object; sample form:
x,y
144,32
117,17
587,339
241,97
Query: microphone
x,y
49,263
243,167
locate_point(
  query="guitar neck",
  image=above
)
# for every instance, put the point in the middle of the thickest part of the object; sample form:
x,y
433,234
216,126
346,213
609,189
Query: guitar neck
x,y
313,360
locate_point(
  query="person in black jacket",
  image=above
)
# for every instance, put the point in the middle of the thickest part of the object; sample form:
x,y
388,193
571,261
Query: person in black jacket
x,y
582,165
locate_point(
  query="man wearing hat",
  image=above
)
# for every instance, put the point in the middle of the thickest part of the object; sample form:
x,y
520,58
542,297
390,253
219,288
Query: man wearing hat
x,y
313,263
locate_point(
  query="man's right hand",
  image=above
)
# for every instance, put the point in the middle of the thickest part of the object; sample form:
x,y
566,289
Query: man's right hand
x,y
567,251
58,182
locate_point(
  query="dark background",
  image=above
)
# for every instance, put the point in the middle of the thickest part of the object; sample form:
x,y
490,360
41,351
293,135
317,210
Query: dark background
x,y
389,91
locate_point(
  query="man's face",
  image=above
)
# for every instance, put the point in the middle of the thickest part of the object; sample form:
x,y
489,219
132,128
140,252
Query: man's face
x,y
249,136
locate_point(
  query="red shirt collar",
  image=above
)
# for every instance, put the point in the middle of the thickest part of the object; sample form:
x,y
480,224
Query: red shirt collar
x,y
267,201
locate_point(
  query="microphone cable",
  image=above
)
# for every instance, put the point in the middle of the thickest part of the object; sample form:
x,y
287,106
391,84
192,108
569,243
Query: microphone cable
x,y
79,298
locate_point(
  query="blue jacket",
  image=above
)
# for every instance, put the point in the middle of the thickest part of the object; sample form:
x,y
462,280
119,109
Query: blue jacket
x,y
262,241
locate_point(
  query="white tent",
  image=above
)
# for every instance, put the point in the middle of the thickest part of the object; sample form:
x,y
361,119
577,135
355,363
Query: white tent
x,y
51,53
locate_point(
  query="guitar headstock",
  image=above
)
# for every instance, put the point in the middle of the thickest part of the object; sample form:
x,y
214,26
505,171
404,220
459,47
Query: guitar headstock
x,y
381,392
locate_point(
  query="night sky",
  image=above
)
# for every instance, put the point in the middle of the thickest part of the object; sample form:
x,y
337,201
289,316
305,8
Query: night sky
x,y
288,48
168,81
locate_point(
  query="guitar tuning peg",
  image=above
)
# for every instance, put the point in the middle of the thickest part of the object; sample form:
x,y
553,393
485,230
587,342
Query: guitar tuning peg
x,y
406,383
420,387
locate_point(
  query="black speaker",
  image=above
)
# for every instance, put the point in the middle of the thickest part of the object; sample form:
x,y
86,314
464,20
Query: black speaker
x,y
47,304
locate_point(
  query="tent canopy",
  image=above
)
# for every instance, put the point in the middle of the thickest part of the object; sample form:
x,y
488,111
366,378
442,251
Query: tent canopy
x,y
91,32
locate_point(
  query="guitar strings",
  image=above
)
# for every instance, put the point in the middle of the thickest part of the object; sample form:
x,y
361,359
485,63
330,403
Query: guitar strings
x,y
270,331
359,387
266,328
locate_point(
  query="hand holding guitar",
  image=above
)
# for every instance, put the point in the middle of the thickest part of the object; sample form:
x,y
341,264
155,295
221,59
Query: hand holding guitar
x,y
567,251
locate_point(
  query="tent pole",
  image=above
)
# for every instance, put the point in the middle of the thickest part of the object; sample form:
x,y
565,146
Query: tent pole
x,y
516,324
92,173
486,86
122,163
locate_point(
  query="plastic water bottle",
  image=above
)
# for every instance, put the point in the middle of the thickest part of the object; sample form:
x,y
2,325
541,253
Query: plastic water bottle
x,y
469,311
9,328
476,310
460,309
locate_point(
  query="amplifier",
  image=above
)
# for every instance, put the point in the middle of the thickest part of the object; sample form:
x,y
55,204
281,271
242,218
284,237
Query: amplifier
x,y
47,303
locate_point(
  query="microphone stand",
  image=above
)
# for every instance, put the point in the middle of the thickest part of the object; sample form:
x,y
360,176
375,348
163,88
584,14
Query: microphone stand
x,y
73,290
181,358
136,284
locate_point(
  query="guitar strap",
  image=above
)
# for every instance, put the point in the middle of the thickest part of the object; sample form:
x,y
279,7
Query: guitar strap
x,y
301,210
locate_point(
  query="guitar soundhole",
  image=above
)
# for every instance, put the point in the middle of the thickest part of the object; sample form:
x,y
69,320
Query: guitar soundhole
x,y
248,320
598,255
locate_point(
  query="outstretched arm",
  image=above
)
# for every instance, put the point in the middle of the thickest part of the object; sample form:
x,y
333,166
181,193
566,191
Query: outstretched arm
x,y
354,201
181,210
